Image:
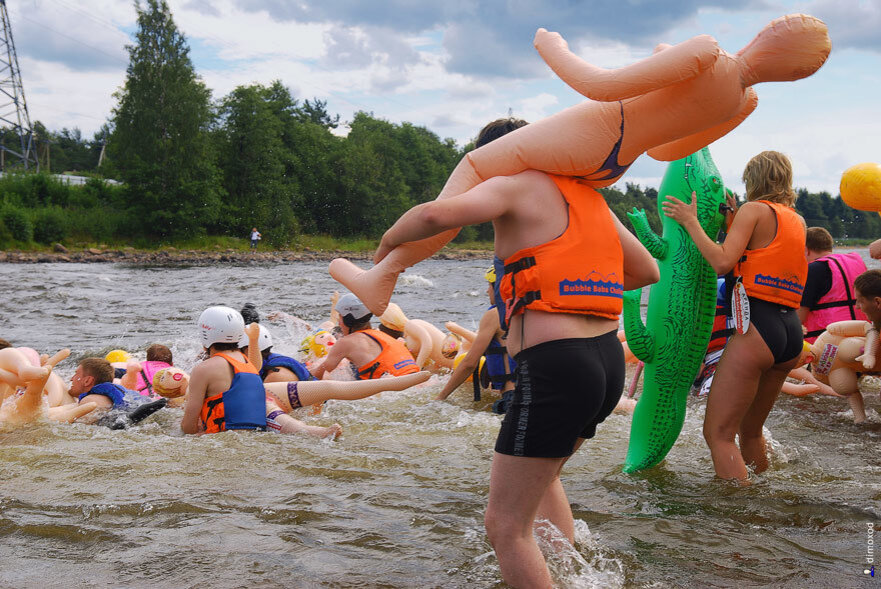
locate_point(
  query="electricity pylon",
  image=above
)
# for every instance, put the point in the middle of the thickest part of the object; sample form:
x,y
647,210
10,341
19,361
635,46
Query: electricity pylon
x,y
18,140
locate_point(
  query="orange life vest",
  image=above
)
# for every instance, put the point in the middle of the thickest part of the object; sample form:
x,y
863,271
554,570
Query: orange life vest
x,y
394,358
581,271
242,406
777,272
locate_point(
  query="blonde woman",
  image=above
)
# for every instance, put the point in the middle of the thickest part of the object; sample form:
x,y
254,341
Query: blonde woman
x,y
765,248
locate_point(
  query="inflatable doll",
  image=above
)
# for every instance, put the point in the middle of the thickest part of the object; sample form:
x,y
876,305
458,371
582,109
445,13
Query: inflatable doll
x,y
840,352
670,105
315,346
28,406
171,383
424,340
808,384
293,395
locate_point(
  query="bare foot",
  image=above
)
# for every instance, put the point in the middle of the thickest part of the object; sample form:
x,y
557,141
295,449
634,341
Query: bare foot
x,y
333,432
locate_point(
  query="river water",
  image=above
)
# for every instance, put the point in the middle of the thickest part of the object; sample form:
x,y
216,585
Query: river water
x,y
397,501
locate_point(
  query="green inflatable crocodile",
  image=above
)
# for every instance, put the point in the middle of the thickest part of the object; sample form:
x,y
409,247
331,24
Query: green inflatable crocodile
x,y
674,339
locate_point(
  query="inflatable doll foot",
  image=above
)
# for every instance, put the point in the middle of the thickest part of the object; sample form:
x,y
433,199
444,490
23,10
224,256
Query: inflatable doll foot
x,y
373,287
58,357
70,413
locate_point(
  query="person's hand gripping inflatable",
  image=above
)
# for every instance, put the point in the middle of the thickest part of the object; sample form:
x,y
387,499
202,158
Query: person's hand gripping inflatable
x,y
670,104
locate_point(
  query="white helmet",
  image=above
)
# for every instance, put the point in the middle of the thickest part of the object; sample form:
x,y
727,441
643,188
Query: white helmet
x,y
221,325
352,310
264,340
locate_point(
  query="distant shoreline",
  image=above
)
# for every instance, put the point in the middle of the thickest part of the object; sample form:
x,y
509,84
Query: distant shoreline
x,y
172,256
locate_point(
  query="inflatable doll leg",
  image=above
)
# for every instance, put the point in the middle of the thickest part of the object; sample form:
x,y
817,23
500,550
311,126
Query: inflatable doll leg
x,y
290,396
844,382
70,413
687,145
29,406
375,286
667,66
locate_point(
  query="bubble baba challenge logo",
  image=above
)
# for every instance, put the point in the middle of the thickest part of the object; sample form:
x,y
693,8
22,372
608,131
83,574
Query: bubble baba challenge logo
x,y
595,284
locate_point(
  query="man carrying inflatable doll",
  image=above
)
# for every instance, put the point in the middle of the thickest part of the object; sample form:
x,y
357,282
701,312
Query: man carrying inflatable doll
x,y
567,259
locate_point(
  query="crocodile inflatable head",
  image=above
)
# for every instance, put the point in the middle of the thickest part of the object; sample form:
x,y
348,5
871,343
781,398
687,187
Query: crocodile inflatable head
x,y
681,306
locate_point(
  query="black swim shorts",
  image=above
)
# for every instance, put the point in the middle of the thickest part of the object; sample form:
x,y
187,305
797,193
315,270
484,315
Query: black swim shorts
x,y
564,389
779,326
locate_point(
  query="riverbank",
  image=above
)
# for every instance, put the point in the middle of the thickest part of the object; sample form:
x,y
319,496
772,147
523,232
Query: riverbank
x,y
171,255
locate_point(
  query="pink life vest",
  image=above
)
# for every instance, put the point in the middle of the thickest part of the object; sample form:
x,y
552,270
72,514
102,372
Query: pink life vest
x,y
145,376
839,304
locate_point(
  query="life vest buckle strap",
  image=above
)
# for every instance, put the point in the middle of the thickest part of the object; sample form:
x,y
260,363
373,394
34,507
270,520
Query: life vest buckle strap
x,y
521,264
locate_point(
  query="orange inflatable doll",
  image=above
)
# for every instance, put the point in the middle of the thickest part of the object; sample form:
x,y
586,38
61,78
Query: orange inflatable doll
x,y
670,105
840,352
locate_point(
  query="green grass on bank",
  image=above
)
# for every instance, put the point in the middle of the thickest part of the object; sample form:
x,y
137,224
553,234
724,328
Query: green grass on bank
x,y
223,243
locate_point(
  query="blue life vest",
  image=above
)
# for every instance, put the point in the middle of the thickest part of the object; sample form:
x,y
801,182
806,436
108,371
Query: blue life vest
x,y
114,392
241,406
274,360
499,267
495,355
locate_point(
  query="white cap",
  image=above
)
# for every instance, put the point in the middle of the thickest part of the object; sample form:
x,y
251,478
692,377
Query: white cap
x,y
221,325
264,340
351,309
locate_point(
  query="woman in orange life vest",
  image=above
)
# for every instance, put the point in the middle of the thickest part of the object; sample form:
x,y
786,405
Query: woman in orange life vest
x,y
765,247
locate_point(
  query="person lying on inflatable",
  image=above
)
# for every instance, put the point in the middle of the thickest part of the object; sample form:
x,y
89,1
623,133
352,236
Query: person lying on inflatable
x,y
139,375
116,406
669,105
25,405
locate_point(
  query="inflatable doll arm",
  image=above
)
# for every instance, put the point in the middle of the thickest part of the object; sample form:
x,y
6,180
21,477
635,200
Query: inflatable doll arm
x,y
666,66
457,329
656,246
849,328
422,339
254,355
811,384
687,145
334,315
798,390
871,347
639,340
130,379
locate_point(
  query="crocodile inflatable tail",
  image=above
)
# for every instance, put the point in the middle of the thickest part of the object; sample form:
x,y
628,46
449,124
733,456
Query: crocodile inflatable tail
x,y
679,319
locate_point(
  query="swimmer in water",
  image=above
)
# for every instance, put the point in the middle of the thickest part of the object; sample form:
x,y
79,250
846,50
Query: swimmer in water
x,y
257,405
116,406
373,353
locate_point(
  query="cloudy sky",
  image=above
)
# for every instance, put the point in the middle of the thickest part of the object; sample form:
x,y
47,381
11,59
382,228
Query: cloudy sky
x,y
453,65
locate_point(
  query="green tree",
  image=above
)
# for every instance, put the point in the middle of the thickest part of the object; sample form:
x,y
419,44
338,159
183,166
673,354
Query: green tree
x,y
253,158
160,143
